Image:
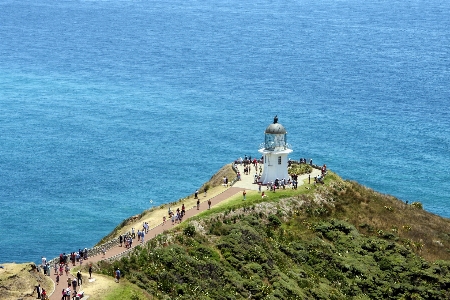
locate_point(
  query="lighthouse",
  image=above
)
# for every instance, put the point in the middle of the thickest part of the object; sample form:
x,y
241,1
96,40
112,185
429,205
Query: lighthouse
x,y
275,152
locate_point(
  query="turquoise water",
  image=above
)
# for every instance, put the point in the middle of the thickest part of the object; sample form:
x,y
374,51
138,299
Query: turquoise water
x,y
108,105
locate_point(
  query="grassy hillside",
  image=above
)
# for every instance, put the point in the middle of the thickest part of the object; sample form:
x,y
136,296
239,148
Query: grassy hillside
x,y
18,281
154,215
339,240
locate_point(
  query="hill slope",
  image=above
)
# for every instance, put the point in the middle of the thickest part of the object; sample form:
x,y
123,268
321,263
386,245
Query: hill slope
x,y
18,281
339,240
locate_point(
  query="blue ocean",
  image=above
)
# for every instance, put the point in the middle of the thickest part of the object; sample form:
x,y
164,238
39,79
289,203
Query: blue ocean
x,y
108,108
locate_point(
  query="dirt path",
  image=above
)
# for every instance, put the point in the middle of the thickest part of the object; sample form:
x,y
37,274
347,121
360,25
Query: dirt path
x,y
100,284
56,295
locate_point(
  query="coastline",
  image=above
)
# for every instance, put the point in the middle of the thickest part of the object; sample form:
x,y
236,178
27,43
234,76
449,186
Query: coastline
x,y
222,195
217,194
216,191
153,216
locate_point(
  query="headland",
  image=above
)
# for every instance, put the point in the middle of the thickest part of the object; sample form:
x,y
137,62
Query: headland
x,y
361,209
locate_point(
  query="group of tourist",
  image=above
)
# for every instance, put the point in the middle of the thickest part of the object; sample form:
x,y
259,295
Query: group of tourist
x,y
280,184
126,239
291,182
225,181
177,216
67,292
45,266
248,160
77,256
41,293
61,266
247,163
145,227
247,170
319,178
303,161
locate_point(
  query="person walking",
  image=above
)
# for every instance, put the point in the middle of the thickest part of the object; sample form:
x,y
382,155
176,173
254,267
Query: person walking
x,y
198,204
79,278
209,204
117,275
38,290
74,285
90,271
244,193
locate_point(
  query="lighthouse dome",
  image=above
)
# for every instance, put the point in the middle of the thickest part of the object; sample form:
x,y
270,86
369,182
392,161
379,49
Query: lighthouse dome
x,y
275,128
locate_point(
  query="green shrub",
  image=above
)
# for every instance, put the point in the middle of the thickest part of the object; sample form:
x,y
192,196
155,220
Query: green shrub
x,y
205,253
316,255
300,169
417,205
274,220
189,230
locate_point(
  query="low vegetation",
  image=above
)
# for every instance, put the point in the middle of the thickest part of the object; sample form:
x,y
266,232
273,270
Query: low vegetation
x,y
339,240
299,169
125,290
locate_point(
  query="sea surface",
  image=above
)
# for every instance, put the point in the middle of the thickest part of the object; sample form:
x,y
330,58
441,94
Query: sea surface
x,y
108,108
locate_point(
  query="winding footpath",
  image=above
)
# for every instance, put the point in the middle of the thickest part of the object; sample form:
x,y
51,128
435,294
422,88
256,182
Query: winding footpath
x,y
246,183
117,250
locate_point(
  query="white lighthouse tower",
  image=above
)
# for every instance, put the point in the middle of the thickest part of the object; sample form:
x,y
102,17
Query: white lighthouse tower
x,y
275,152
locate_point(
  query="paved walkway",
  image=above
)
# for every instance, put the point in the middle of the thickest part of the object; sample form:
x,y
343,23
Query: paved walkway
x,y
246,183
227,193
